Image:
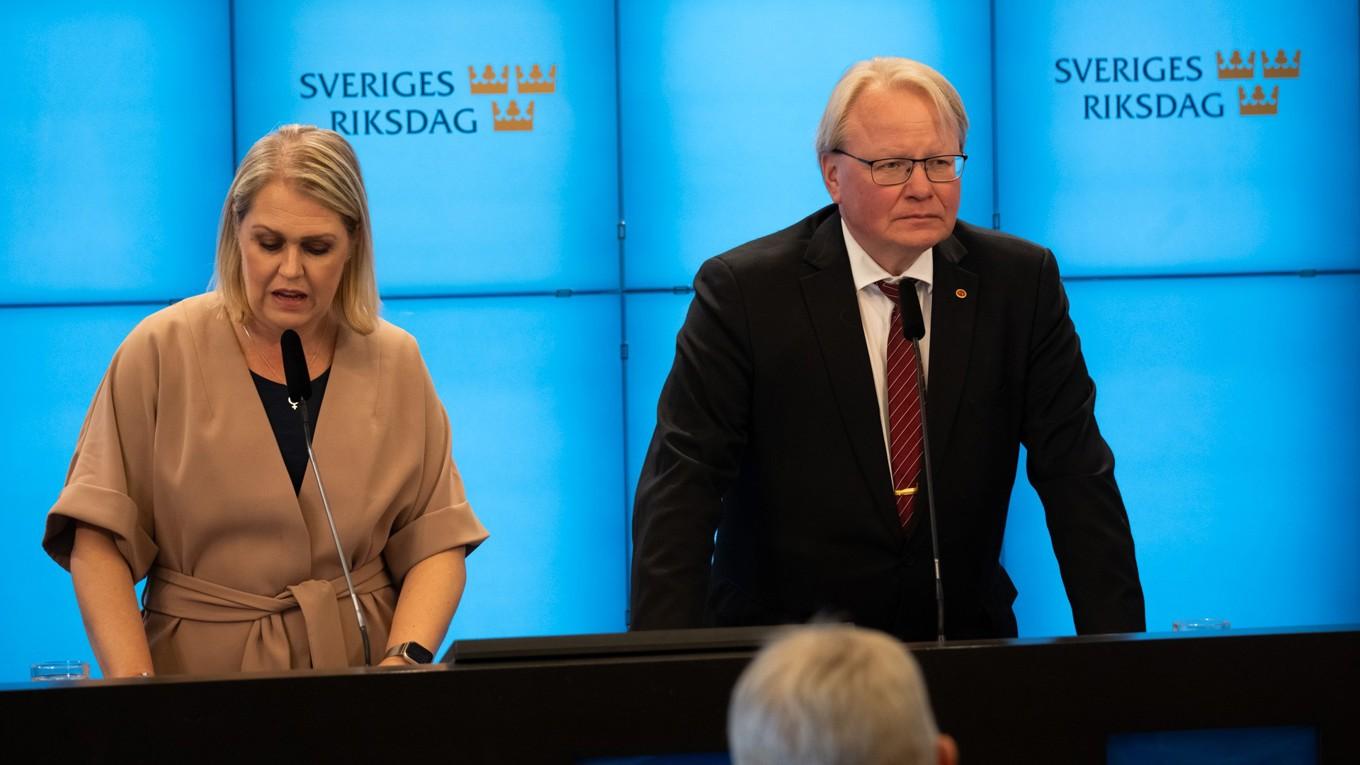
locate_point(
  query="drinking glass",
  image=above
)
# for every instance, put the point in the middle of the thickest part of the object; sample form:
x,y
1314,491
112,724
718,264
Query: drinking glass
x,y
1200,624
45,671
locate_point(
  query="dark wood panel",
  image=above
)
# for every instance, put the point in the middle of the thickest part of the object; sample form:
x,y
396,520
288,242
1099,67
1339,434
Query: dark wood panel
x,y
562,699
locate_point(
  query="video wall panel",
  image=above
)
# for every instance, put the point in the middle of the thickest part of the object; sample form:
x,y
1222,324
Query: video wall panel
x,y
66,351
532,391
1231,408
476,184
653,321
720,105
128,118
116,155
1172,137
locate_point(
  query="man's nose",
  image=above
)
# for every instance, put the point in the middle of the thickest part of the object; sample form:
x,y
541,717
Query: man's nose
x,y
918,185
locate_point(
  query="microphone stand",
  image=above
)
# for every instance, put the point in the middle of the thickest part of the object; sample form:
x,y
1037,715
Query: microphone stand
x,y
903,296
930,493
330,519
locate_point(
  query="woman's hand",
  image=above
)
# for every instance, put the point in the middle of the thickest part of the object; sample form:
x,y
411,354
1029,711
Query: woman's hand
x,y
108,604
429,596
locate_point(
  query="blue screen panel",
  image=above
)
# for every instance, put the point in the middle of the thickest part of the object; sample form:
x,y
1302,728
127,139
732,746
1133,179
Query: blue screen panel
x,y
458,205
1217,746
532,388
1123,146
720,103
653,321
1232,410
117,149
66,351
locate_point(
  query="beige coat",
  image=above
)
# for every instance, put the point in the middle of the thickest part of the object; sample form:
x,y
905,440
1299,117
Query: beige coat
x,y
178,461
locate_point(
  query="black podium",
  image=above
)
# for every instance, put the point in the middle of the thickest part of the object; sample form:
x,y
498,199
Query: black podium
x,y
578,698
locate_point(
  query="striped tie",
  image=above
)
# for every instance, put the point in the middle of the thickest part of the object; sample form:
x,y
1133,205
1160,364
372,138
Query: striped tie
x,y
904,412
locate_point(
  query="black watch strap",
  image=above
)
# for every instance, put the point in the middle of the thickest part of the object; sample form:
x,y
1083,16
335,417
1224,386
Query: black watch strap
x,y
412,652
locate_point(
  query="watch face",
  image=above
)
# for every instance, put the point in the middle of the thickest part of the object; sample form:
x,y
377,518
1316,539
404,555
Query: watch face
x,y
418,653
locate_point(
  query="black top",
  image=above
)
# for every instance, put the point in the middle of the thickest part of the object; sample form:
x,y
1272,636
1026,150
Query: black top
x,y
287,421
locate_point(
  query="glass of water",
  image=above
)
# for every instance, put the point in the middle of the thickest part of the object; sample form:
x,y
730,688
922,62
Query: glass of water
x,y
1201,624
45,671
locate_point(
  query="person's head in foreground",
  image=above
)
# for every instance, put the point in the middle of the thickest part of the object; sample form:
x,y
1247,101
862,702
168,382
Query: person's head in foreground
x,y
834,694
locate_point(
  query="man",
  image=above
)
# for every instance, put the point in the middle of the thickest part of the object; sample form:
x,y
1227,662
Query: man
x,y
778,428
834,694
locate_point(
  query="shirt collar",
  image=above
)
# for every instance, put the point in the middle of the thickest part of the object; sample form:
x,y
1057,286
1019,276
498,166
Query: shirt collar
x,y
867,271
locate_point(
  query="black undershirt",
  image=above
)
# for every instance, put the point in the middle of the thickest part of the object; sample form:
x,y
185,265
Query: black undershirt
x,y
287,422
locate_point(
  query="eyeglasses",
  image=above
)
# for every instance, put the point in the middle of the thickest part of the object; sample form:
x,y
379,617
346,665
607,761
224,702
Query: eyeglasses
x,y
894,171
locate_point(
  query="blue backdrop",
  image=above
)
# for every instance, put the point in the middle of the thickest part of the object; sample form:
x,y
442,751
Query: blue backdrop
x,y
1211,254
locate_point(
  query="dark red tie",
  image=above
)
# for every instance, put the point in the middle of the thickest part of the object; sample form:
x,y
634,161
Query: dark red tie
x,y
904,411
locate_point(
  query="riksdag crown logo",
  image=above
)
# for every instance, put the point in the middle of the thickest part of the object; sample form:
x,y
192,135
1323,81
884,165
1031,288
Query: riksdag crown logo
x,y
536,82
512,117
1257,103
488,84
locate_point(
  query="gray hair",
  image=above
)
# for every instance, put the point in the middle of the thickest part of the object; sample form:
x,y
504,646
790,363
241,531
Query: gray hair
x,y
825,694
889,71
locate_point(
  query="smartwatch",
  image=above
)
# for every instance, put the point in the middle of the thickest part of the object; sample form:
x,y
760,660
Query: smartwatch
x,y
412,652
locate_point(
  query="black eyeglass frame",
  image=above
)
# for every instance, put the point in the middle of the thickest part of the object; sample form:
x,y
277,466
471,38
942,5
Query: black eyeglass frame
x,y
960,160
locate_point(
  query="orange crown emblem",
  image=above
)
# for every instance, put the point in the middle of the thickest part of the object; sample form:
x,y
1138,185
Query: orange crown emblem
x,y
1258,104
513,119
1281,67
536,82
488,84
1235,69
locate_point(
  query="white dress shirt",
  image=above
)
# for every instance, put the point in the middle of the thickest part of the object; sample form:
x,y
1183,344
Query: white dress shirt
x,y
875,313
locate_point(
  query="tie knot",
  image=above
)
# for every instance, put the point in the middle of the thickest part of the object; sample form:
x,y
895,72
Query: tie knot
x,y
890,289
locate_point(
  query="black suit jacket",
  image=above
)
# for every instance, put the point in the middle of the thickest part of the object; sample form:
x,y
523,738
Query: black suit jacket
x,y
768,432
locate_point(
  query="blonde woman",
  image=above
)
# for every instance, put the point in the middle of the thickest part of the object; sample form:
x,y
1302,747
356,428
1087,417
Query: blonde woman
x,y
191,469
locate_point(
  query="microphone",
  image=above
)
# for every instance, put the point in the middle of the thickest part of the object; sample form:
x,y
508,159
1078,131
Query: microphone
x,y
914,328
913,323
295,372
299,382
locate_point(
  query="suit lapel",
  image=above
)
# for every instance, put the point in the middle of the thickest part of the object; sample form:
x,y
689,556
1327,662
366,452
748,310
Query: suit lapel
x,y
343,441
351,392
829,292
952,319
237,422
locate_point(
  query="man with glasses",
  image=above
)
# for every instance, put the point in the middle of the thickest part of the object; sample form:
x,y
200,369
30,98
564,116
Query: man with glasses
x,y
786,474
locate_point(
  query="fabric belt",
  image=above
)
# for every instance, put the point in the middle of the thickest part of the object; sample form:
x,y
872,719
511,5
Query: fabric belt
x,y
177,594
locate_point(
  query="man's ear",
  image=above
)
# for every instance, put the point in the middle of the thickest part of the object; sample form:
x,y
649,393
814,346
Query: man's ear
x,y
831,175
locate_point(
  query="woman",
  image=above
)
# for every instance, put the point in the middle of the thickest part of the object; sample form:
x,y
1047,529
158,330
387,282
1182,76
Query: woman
x,y
182,470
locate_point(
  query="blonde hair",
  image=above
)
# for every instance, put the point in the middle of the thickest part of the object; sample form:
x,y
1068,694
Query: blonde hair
x,y
831,693
322,165
890,71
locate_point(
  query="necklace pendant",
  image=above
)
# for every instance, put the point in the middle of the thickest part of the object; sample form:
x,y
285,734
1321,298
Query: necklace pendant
x,y
293,403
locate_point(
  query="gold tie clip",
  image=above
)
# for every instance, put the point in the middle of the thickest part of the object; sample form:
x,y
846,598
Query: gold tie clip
x,y
904,492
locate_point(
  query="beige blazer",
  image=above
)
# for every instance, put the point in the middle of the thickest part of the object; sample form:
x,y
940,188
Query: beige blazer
x,y
177,460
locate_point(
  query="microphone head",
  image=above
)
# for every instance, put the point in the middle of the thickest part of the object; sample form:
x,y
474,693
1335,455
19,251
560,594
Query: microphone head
x,y
913,324
295,366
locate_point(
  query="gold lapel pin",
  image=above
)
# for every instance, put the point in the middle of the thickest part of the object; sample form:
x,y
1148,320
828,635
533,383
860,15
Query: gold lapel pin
x,y
960,293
